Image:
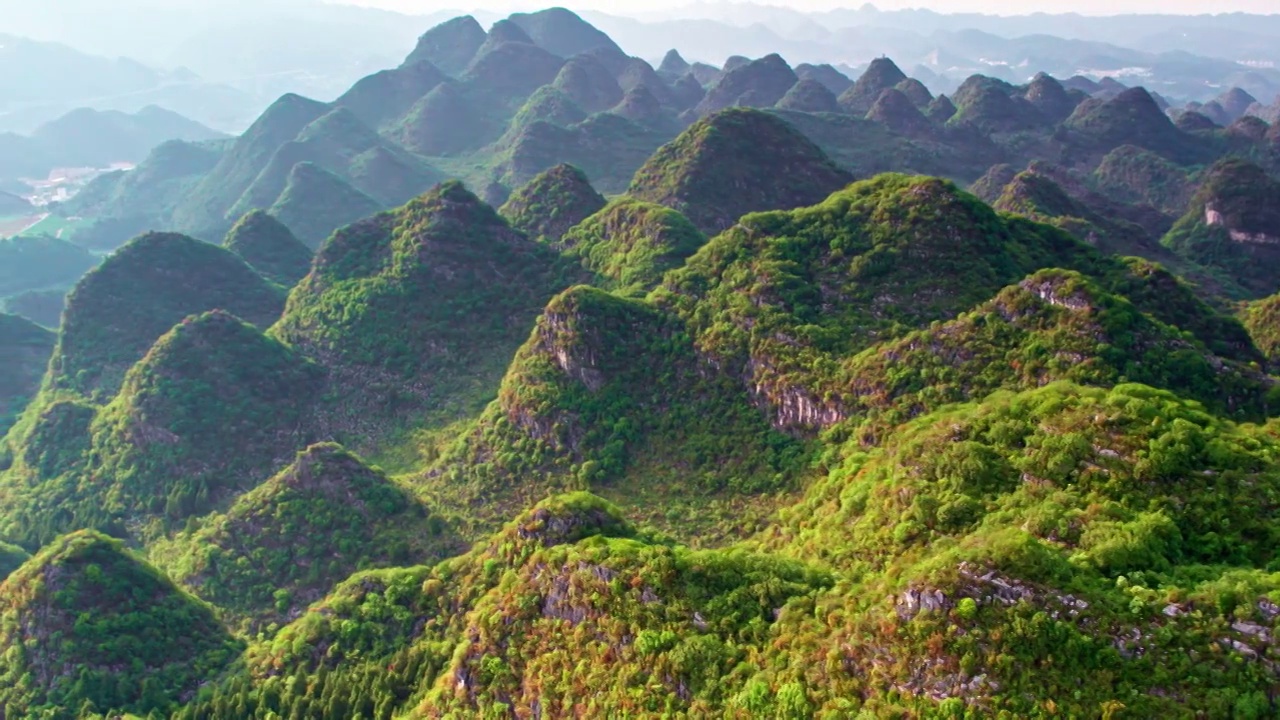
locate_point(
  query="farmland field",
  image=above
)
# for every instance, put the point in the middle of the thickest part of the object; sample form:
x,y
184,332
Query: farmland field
x,y
53,225
10,226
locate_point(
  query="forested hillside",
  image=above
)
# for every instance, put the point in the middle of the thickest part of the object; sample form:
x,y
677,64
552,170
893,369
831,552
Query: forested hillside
x,y
526,380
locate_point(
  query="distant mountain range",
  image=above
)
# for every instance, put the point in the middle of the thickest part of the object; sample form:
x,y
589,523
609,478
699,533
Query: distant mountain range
x,y
944,49
90,138
497,107
41,81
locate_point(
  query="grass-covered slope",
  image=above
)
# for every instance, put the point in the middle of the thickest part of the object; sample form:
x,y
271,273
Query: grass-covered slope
x,y
1233,225
729,164
418,308
39,261
123,306
1130,174
1095,535
214,407
648,627
608,147
203,209
621,628
879,76
340,143
778,297
609,394
315,202
88,626
1038,197
210,384
551,203
1053,325
12,557
994,106
288,542
270,248
1262,319
25,349
144,196
1133,118
43,307
630,244
384,97
449,46
759,83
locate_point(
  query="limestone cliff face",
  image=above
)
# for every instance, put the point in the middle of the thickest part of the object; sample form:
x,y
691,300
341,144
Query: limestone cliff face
x,y
1214,218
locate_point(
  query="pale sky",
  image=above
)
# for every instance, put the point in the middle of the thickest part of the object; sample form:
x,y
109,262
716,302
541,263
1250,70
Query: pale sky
x,y
999,7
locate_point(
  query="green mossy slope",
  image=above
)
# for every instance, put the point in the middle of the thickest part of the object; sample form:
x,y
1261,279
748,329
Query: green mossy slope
x,y
418,308
288,542
728,165
631,244
158,452
24,355
1233,225
551,203
270,248
609,395
121,308
90,627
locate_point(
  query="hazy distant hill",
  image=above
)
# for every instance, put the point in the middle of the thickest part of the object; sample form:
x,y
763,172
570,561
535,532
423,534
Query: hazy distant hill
x,y
498,107
90,138
40,81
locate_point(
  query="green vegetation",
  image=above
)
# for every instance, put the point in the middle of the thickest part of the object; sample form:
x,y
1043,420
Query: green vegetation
x,y
1040,198
88,627
809,96
777,444
160,447
777,298
725,166
631,244
756,83
119,309
11,558
609,395
1262,319
419,307
1134,118
212,382
288,542
268,247
994,106
608,147
1233,225
894,110
158,183
24,354
43,307
315,202
450,45
35,262
588,83
1131,174
551,203
1099,528
203,210
628,621
879,76
1054,325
